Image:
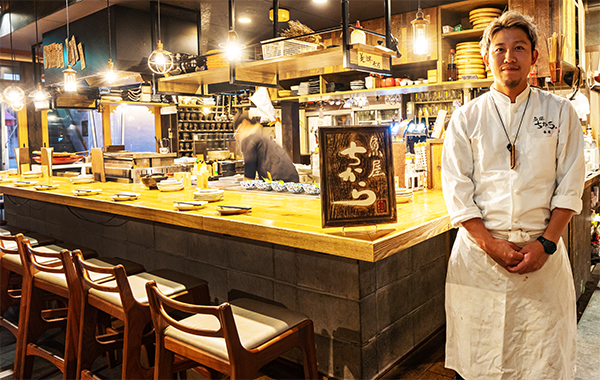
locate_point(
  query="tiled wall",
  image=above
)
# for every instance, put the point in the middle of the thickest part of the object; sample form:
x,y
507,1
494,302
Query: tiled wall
x,y
366,315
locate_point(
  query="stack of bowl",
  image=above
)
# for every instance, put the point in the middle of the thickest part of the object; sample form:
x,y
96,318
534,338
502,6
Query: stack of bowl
x,y
481,17
469,60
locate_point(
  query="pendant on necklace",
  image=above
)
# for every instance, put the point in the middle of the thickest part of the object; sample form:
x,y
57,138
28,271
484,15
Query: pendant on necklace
x,y
513,155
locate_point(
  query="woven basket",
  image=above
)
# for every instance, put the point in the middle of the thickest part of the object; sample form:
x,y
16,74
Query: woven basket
x,y
287,47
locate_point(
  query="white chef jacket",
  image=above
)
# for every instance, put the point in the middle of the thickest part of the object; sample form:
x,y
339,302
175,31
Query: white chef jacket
x,y
502,325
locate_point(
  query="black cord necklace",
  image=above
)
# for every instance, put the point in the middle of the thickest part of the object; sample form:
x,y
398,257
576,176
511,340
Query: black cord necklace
x,y
511,146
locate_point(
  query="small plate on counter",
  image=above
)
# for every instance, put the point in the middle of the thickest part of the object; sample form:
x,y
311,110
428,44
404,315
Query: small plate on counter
x,y
86,178
189,205
125,197
85,192
232,210
209,195
32,174
45,187
25,183
6,180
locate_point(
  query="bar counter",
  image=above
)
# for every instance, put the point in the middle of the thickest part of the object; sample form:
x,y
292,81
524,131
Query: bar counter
x,y
293,220
373,293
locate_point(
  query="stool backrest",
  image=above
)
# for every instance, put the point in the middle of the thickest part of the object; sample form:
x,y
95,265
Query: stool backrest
x,y
121,286
30,258
9,238
161,319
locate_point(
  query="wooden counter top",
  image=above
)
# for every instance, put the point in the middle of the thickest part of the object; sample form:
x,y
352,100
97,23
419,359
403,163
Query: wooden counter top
x,y
278,218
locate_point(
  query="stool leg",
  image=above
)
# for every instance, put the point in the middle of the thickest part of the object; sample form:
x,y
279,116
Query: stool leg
x,y
163,364
87,347
132,348
5,299
31,326
309,354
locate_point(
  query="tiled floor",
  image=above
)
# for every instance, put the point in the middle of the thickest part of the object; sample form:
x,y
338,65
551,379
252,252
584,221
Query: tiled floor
x,y
425,363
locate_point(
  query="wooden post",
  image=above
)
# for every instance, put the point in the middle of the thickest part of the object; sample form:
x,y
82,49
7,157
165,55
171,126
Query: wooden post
x,y
45,133
157,124
98,165
290,129
399,153
106,135
22,125
23,160
47,154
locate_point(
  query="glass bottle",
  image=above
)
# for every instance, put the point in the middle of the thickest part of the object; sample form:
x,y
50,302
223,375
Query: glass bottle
x,y
452,70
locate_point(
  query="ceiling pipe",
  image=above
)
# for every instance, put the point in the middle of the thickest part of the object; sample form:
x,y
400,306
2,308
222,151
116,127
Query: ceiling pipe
x,y
388,23
275,18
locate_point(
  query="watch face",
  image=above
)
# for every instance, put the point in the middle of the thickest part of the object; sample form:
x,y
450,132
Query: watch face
x,y
549,246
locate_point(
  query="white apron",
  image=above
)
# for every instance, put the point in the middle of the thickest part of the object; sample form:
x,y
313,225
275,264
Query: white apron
x,y
505,326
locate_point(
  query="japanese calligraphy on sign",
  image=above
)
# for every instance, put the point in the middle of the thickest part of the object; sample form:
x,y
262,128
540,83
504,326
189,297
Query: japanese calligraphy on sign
x,y
370,60
357,176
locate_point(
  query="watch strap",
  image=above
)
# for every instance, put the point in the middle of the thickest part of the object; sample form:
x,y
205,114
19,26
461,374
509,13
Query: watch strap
x,y
549,246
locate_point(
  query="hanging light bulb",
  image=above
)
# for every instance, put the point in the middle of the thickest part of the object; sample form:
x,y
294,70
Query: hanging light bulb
x,y
420,35
14,94
40,97
110,74
70,79
160,60
233,49
17,105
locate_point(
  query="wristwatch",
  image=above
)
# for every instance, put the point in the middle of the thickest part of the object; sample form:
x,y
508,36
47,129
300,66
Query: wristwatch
x,y
549,246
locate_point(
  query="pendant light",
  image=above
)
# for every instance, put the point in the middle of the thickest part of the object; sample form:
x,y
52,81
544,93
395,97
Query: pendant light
x,y
39,96
14,95
110,74
420,33
160,61
69,75
233,49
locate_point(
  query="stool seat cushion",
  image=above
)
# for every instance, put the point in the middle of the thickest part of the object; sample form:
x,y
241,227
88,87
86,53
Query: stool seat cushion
x,y
34,238
256,323
105,262
9,230
51,248
169,282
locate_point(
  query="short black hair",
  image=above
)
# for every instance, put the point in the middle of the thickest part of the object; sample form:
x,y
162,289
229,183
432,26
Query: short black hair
x,y
241,116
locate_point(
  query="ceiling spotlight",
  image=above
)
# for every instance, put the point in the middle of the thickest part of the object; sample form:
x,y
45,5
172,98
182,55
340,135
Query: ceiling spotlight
x,y
320,1
284,15
244,20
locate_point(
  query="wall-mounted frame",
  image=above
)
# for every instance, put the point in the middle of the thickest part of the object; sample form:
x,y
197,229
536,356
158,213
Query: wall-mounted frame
x,y
357,176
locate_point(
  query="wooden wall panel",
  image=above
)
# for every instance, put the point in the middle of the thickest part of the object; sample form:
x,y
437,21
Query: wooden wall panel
x,y
402,29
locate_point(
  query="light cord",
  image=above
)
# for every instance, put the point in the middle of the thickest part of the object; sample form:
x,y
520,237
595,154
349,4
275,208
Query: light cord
x,y
67,7
159,20
109,32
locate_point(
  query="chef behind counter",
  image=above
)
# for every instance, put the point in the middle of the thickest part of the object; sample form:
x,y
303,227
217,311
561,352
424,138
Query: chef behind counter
x,y
261,154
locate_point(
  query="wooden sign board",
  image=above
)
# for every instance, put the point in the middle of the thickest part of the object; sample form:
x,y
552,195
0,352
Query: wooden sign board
x,y
357,176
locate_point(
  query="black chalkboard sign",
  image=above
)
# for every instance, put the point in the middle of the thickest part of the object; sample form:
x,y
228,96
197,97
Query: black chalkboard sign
x,y
357,176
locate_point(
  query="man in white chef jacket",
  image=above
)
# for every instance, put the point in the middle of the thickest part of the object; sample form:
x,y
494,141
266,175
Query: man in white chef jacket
x,y
513,175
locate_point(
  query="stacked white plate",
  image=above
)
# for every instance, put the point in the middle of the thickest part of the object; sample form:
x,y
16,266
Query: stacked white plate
x,y
357,84
25,183
403,195
170,185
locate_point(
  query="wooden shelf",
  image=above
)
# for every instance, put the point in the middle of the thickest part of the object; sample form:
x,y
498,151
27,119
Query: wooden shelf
x,y
393,90
264,71
463,34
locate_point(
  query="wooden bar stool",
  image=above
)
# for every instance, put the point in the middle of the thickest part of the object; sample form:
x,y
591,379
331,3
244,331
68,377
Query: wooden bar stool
x,y
11,271
235,338
41,274
125,299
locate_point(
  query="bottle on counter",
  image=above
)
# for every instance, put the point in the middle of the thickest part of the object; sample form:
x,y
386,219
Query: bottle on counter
x,y
452,69
202,178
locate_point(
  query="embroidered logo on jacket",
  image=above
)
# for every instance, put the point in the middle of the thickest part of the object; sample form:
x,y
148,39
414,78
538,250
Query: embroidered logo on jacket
x,y
545,126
